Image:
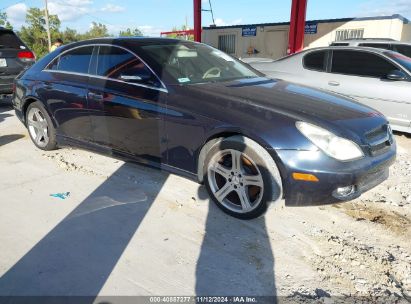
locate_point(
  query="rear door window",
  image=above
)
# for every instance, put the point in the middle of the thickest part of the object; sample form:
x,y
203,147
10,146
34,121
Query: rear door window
x,y
360,64
403,49
75,61
384,46
316,61
117,63
8,39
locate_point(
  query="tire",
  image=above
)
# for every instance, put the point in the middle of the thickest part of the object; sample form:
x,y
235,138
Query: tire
x,y
40,127
241,177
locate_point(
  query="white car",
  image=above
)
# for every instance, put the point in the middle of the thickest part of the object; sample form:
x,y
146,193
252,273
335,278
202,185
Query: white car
x,y
375,77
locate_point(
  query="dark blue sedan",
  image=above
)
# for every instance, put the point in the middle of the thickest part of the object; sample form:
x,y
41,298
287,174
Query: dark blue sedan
x,y
193,110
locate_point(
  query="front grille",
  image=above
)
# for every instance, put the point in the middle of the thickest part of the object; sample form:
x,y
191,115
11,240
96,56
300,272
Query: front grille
x,y
379,139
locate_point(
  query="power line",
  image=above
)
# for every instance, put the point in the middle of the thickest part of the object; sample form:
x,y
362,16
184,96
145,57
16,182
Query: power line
x,y
6,7
210,10
85,13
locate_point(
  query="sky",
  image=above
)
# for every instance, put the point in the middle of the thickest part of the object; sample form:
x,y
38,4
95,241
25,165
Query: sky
x,y
154,16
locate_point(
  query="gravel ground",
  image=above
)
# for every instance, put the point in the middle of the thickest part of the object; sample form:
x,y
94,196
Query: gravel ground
x,y
354,251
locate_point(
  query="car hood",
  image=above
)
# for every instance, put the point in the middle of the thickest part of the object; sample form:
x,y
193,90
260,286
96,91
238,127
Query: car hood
x,y
292,100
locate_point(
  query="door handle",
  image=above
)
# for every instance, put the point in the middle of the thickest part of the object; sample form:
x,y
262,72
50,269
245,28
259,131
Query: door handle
x,y
333,83
95,96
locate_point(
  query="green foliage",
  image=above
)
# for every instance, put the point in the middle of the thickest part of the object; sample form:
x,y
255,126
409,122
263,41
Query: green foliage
x,y
129,32
182,28
34,33
97,30
4,22
70,35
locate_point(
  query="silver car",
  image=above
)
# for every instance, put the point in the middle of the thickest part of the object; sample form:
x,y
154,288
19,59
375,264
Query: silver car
x,y
375,77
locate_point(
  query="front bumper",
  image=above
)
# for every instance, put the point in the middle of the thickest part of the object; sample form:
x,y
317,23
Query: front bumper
x,y
363,175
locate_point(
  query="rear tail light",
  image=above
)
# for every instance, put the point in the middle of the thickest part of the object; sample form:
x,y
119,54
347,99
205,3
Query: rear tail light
x,y
26,56
14,88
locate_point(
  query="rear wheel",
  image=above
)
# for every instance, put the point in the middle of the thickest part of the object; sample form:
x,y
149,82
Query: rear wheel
x,y
40,127
241,177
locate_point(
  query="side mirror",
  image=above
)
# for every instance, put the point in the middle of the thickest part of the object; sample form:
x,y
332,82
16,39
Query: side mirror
x,y
396,75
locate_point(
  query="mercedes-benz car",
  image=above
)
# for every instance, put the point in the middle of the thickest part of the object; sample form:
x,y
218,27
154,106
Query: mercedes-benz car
x,y
193,110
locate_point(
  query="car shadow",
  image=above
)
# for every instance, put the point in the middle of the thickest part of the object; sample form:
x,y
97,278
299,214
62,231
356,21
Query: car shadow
x,y
398,133
78,255
6,139
235,258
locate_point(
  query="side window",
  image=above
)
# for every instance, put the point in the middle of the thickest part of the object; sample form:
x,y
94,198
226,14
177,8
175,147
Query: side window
x,y
376,45
403,49
315,61
77,60
117,63
360,64
340,44
54,64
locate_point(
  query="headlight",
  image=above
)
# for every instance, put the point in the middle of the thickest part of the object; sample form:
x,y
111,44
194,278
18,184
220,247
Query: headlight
x,y
334,146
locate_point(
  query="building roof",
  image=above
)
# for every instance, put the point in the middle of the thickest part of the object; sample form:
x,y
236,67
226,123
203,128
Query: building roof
x,y
395,16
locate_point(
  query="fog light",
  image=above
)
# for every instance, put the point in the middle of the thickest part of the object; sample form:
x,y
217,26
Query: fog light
x,y
344,191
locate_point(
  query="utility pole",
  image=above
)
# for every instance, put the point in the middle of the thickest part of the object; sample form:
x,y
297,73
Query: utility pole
x,y
46,12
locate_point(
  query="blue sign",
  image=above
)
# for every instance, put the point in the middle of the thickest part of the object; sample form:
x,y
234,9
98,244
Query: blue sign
x,y
311,28
249,31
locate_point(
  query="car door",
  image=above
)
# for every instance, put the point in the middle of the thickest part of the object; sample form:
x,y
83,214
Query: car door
x,y
127,103
362,76
64,90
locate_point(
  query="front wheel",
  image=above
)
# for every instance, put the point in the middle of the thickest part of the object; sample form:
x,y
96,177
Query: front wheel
x,y
241,177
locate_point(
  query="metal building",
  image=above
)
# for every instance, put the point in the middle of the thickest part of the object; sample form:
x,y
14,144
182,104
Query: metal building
x,y
270,40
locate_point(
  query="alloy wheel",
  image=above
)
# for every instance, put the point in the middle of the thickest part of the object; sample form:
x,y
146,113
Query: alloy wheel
x,y
235,180
38,127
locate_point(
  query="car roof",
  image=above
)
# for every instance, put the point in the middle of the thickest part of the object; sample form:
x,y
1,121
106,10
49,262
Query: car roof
x,y
353,48
135,39
373,40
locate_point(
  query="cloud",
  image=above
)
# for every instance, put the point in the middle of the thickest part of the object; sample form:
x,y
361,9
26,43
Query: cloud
x,y
152,31
70,10
16,14
386,8
147,30
111,8
221,22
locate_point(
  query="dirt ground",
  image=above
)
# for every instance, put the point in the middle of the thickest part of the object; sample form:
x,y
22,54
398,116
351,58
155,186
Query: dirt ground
x,y
126,229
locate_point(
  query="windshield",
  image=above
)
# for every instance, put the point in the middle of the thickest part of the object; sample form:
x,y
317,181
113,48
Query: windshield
x,y
401,59
189,63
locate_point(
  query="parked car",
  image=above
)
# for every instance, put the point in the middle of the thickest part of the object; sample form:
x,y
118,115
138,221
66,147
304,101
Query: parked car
x,y
14,58
375,77
379,43
193,110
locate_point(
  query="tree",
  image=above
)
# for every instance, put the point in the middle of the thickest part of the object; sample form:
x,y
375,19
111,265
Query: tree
x,y
34,33
97,30
182,28
128,33
4,22
70,35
